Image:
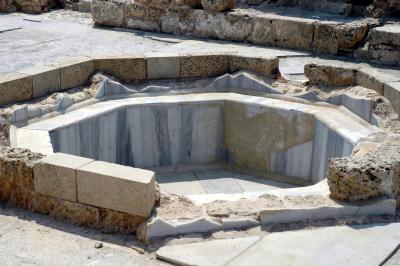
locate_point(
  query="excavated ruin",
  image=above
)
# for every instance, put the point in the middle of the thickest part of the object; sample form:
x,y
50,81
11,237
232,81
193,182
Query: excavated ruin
x,y
162,144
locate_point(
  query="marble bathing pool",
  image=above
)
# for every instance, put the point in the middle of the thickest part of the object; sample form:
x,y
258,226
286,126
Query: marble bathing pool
x,y
205,143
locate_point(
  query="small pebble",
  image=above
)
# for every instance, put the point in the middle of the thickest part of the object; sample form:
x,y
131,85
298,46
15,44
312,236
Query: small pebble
x,y
98,245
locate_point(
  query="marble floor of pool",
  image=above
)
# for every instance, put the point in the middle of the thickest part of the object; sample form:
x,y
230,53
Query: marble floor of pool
x,y
200,182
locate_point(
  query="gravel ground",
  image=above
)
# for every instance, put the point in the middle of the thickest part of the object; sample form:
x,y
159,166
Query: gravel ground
x,y
33,239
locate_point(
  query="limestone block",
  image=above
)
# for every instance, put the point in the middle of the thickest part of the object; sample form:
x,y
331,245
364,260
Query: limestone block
x,y
163,65
326,38
217,5
31,6
74,72
117,187
110,13
265,65
179,20
392,93
15,87
159,4
386,34
375,174
384,44
331,75
142,17
126,68
231,26
189,3
55,175
45,79
350,35
288,32
85,6
198,65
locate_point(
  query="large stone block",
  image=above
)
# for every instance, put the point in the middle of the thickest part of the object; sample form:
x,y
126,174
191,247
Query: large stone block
x,y
45,79
142,17
232,26
55,175
116,187
15,87
331,75
326,38
198,65
126,68
288,32
74,72
163,65
217,5
265,65
110,13
375,174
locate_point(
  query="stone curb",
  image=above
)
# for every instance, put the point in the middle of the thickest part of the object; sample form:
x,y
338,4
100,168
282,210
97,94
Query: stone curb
x,y
340,74
101,184
37,81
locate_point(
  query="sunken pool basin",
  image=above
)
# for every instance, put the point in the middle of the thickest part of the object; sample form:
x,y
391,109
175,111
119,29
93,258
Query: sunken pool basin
x,y
258,136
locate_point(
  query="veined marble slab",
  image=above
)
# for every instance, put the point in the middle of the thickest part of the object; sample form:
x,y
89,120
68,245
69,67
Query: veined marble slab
x,y
189,129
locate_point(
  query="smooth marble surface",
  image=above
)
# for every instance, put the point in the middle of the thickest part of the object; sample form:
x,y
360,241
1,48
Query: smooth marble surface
x,y
148,136
189,129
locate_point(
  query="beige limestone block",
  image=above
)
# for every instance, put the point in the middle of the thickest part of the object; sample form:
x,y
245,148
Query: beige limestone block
x,y
74,72
265,65
109,13
126,67
45,79
15,87
218,5
117,187
55,175
199,65
288,32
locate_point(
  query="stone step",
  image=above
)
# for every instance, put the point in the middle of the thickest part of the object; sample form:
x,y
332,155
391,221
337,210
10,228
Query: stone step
x,y
383,45
321,34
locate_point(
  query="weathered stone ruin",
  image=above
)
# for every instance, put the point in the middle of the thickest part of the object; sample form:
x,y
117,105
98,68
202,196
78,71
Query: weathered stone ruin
x,y
106,141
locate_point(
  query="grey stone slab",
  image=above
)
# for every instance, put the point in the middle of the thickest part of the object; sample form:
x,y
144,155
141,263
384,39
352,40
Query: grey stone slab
x,y
342,245
218,182
45,79
184,183
216,252
163,65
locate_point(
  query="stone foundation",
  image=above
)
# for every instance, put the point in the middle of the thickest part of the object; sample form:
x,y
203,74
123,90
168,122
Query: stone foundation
x,y
17,189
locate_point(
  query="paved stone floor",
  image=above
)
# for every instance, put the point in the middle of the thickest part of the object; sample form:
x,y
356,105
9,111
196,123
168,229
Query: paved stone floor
x,y
28,40
199,182
340,245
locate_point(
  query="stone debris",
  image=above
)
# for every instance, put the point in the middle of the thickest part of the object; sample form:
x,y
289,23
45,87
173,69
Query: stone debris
x,y
98,245
374,174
